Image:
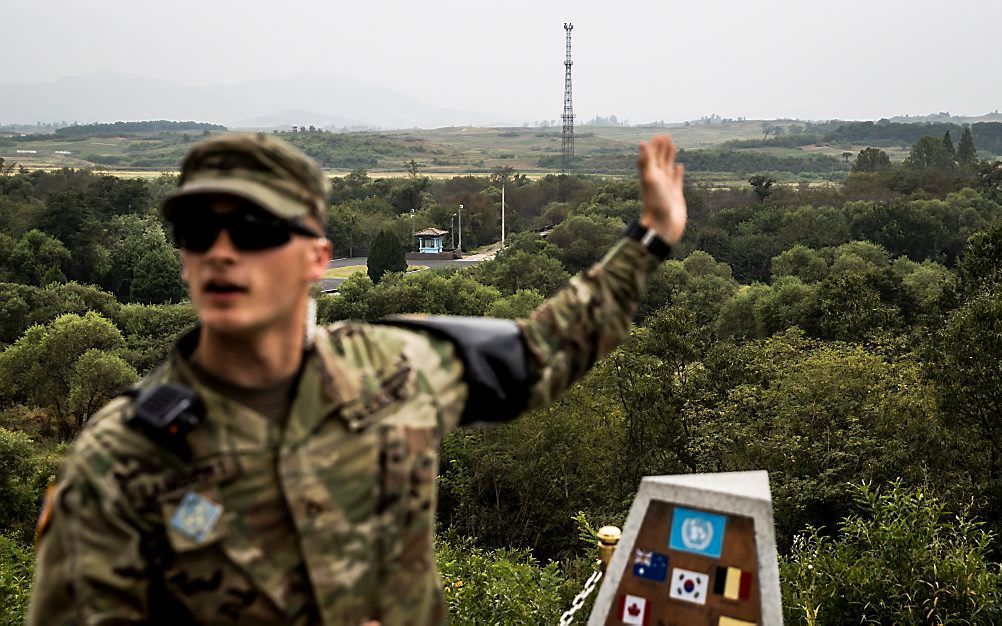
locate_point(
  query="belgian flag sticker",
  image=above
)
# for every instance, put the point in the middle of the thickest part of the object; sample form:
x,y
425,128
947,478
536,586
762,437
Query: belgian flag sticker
x,y
732,583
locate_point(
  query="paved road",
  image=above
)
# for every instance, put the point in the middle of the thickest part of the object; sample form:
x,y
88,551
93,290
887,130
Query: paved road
x,y
332,284
361,260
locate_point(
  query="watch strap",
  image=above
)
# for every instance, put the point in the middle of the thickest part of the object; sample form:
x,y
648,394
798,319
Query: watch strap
x,y
649,239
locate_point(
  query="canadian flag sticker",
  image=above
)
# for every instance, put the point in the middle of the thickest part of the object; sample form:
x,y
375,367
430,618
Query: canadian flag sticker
x,y
688,585
633,609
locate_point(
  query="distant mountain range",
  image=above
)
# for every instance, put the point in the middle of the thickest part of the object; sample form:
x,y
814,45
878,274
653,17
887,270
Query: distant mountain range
x,y
317,100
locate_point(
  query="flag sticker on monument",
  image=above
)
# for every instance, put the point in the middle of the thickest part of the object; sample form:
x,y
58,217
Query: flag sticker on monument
x,y
633,610
732,583
650,565
688,585
697,532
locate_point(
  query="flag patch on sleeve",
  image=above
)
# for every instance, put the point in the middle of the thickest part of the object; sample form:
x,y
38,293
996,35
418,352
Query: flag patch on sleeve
x,y
196,516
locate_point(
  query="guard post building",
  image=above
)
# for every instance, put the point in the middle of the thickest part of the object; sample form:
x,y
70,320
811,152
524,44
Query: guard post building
x,y
430,240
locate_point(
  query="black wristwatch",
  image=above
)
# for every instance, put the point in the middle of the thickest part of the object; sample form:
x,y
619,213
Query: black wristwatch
x,y
648,239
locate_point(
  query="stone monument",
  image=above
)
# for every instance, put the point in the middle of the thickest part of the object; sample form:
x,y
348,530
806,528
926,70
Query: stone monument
x,y
697,549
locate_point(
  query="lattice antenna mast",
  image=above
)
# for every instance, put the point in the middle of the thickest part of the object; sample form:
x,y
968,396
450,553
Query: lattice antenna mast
x,y
567,146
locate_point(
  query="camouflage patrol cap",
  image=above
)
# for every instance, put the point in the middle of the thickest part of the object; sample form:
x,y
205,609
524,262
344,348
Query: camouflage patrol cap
x,y
255,167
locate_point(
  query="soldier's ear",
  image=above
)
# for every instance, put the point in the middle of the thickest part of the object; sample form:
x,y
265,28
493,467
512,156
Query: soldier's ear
x,y
320,255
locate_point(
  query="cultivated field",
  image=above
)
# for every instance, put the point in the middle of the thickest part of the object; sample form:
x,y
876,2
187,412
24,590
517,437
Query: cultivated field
x,y
439,153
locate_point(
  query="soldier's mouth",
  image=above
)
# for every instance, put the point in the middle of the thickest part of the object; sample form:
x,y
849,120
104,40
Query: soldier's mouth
x,y
223,287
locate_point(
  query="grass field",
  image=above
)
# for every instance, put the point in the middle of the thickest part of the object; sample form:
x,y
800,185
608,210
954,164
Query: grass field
x,y
345,272
440,153
449,151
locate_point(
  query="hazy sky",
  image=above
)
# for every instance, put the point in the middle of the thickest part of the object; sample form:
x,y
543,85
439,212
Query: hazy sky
x,y
642,61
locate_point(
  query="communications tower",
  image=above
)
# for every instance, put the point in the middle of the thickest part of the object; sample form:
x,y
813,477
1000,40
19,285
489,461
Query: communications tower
x,y
567,145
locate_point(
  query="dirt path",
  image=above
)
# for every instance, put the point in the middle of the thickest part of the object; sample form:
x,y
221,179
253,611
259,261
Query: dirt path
x,y
486,255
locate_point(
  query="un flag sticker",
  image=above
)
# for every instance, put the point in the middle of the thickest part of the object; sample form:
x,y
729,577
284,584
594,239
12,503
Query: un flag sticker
x,y
697,532
196,516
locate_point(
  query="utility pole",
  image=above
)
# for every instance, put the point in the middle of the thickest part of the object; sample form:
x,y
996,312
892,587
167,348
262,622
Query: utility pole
x,y
502,213
567,143
460,229
351,238
453,229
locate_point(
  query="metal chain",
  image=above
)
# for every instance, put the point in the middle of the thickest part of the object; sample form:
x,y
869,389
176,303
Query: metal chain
x,y
568,617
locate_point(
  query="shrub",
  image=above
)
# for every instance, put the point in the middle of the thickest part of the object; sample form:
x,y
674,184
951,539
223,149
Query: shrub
x,y
16,566
902,560
503,586
26,470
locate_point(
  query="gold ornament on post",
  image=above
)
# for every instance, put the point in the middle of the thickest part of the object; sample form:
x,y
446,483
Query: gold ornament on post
x,y
608,537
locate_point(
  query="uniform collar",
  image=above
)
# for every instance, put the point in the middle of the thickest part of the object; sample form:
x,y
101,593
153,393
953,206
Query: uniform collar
x,y
329,386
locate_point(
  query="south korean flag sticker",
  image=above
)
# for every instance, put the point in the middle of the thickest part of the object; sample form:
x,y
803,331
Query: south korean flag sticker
x,y
688,585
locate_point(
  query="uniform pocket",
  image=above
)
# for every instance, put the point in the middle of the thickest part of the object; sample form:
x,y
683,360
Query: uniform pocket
x,y
407,566
219,571
408,467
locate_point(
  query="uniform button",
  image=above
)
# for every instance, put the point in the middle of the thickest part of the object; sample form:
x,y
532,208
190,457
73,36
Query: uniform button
x,y
313,508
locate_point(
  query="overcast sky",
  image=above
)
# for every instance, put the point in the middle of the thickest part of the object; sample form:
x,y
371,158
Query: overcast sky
x,y
663,59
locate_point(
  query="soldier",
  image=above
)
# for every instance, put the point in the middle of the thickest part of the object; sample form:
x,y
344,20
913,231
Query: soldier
x,y
272,472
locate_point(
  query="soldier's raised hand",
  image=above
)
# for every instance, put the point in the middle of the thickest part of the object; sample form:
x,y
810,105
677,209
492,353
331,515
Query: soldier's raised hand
x,y
661,179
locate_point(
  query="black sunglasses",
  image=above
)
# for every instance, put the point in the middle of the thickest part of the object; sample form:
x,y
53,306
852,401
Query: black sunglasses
x,y
250,228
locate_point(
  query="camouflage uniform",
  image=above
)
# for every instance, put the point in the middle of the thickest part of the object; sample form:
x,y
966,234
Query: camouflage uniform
x,y
327,518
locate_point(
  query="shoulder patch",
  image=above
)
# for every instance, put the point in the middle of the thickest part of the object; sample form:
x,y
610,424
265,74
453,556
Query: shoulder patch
x,y
196,516
45,518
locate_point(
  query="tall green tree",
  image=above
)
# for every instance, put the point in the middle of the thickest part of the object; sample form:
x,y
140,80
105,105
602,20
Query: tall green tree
x,y
385,255
97,377
38,259
989,179
41,365
948,144
762,186
156,278
871,160
930,153
967,154
980,267
583,239
521,270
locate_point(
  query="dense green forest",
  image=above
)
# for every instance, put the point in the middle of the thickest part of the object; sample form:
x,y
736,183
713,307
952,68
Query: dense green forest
x,y
118,129
988,135
845,337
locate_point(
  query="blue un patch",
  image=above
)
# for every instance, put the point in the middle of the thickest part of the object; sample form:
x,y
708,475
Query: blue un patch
x,y
196,516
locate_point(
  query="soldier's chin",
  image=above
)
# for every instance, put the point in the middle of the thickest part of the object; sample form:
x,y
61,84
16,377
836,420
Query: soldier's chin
x,y
226,322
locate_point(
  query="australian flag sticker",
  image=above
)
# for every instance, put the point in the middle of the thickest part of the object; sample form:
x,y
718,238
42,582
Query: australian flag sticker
x,y
697,532
650,565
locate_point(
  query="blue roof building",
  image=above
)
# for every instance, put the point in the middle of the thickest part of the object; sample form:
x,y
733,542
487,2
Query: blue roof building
x,y
430,240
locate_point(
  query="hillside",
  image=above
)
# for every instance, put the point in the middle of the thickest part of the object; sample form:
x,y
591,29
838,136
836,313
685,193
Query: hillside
x,y
715,151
